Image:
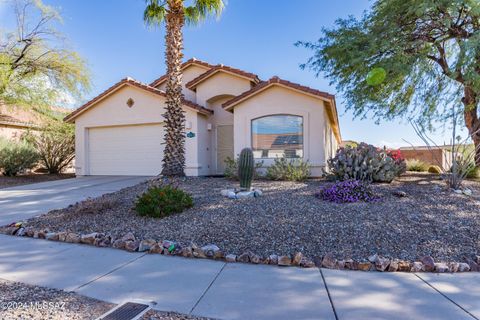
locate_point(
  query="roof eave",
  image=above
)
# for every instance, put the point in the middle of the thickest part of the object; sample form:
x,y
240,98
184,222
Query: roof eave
x,y
129,82
192,85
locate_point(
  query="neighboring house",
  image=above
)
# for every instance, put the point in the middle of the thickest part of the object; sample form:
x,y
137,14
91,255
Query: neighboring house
x,y
120,132
439,156
16,121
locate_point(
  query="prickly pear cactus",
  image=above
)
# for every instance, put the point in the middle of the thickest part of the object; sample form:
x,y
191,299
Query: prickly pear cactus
x,y
365,162
246,167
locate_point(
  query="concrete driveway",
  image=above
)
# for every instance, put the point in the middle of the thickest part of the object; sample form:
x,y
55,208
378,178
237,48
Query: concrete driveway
x,y
23,202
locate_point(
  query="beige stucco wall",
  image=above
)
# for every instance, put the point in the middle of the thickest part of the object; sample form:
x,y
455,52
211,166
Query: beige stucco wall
x,y
113,111
220,118
189,73
205,147
221,84
331,144
280,100
11,133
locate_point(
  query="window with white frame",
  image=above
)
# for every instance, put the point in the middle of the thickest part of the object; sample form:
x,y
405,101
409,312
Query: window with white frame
x,y
277,136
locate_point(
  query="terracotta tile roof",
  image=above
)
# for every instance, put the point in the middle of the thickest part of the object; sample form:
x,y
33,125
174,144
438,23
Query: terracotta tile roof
x,y
250,76
130,81
330,99
184,65
275,80
7,120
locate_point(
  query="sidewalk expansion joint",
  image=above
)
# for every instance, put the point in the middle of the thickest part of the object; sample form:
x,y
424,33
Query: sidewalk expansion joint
x,y
446,297
110,272
328,294
208,288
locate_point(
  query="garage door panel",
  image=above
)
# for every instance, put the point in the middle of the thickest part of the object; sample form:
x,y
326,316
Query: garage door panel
x,y
126,150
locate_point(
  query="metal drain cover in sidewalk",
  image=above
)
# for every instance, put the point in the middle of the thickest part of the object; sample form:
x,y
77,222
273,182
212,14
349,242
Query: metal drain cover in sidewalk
x,y
126,311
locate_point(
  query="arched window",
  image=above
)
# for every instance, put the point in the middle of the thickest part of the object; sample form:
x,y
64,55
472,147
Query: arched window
x,y
277,136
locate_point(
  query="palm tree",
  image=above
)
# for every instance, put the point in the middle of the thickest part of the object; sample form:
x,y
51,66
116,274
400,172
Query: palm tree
x,y
175,14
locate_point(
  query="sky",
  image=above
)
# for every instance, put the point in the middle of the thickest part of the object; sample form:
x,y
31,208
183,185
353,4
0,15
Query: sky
x,y
252,35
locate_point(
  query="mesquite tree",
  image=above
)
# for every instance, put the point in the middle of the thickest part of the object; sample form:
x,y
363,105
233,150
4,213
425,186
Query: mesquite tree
x,y
36,66
428,50
174,13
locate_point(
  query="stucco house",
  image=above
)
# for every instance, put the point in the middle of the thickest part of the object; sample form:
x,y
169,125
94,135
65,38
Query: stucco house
x,y
120,132
16,121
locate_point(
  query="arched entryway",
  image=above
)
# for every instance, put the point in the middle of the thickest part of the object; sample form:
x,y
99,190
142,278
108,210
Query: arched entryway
x,y
222,137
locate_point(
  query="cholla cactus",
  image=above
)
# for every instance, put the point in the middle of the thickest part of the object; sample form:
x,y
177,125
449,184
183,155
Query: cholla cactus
x,y
367,163
246,167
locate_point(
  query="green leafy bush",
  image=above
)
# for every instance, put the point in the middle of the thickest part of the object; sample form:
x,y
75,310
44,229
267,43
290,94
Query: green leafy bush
x,y
289,170
435,169
366,163
162,201
231,169
416,165
16,156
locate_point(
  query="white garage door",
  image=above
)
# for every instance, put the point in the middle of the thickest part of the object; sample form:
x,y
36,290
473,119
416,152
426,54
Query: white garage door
x,y
126,150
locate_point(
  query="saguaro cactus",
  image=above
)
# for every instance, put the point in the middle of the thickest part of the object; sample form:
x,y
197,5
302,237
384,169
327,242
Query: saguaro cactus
x,y
246,166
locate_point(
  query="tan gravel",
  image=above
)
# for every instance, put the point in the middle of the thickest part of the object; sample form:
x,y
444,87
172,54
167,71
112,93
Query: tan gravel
x,y
26,302
431,220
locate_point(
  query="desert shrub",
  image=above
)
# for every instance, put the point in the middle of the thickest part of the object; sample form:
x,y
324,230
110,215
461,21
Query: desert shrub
x,y
288,170
96,205
367,163
416,165
55,145
435,169
16,156
473,172
231,169
348,191
162,201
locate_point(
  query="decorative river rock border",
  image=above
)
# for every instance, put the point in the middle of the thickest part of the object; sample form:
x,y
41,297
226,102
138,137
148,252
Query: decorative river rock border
x,y
167,247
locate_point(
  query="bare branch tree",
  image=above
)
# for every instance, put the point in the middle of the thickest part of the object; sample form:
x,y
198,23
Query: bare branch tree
x,y
35,65
462,153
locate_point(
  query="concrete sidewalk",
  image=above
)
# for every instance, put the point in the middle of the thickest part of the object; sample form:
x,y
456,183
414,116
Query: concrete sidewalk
x,y
26,201
238,291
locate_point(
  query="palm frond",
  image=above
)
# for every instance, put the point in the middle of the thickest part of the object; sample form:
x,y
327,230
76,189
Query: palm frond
x,y
203,9
192,15
155,12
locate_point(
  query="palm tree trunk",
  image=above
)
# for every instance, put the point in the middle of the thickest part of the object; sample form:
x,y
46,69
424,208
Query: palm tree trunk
x,y
174,153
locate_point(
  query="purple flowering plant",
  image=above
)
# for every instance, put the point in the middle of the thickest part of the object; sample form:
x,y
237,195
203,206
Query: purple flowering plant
x,y
348,191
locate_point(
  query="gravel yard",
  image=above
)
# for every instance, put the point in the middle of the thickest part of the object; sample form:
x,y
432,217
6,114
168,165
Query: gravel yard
x,y
64,305
430,220
7,182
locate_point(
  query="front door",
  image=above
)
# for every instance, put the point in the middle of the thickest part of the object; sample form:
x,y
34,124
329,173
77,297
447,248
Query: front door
x,y
224,146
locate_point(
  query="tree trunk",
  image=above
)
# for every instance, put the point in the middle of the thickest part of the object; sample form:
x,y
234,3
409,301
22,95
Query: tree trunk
x,y
174,153
472,121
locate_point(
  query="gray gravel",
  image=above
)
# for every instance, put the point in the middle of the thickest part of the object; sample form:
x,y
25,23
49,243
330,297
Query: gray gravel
x,y
22,301
31,302
431,220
